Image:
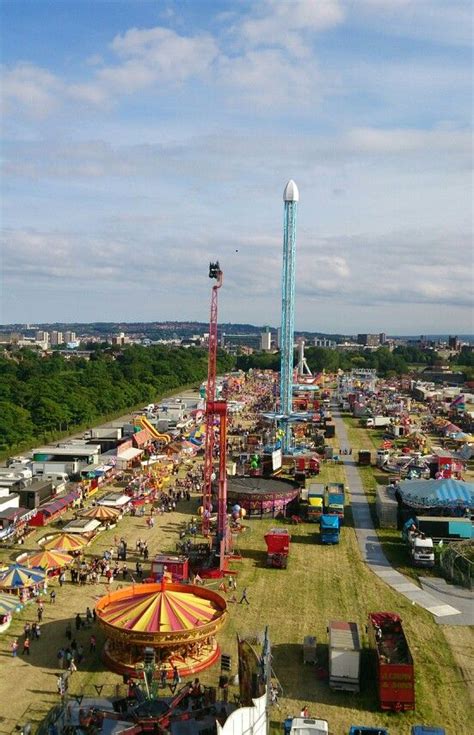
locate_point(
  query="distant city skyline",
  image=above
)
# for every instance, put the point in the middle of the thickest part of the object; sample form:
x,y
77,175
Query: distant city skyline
x,y
142,140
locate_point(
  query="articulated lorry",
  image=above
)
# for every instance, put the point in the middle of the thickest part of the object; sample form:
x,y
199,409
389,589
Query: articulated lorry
x,y
394,663
421,546
344,656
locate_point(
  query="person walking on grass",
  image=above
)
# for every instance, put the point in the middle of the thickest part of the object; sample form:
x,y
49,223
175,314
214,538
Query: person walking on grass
x,y
26,646
14,647
244,597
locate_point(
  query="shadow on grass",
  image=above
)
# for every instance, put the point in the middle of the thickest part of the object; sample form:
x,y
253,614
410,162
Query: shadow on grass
x,y
309,538
43,652
310,682
259,557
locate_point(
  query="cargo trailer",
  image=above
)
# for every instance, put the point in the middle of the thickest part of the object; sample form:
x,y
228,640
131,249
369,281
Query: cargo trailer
x,y
344,656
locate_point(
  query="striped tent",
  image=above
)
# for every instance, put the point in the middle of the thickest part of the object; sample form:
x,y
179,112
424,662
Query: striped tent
x,y
9,604
101,513
65,542
437,493
49,559
160,612
17,576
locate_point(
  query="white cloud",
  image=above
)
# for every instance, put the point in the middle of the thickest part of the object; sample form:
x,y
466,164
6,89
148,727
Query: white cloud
x,y
442,21
31,88
288,24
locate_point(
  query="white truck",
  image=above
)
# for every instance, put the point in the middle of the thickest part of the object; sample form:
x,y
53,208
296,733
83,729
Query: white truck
x,y
377,421
421,546
305,726
104,432
344,656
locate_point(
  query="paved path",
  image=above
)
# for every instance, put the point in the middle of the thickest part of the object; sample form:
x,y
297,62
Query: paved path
x,y
370,546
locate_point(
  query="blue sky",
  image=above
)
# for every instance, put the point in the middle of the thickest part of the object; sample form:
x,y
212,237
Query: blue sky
x,y
142,139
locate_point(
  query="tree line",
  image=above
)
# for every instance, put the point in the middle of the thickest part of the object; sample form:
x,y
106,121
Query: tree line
x,y
43,396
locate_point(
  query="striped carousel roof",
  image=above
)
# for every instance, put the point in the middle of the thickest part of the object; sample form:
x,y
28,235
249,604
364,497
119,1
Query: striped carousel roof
x,y
101,513
161,611
17,575
49,559
65,542
9,603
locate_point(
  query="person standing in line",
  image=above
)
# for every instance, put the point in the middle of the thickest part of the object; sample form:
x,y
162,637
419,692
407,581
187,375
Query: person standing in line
x,y
244,597
92,644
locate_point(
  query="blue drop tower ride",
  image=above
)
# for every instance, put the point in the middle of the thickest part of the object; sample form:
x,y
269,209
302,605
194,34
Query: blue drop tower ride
x,y
290,197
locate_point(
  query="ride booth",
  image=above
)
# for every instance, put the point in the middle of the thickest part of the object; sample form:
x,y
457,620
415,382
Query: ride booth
x,y
175,567
278,547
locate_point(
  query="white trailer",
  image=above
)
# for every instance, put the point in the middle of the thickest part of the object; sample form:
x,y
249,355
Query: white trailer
x,y
308,726
344,656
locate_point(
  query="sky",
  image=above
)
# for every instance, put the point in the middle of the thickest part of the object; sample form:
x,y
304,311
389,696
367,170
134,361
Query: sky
x,y
142,139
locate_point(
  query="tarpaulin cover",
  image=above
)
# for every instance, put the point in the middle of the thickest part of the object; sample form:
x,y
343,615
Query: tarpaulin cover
x,y
429,493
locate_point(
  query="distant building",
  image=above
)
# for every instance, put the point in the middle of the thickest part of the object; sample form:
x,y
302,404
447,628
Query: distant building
x,y
56,338
69,336
454,343
266,340
368,340
241,340
324,342
382,338
42,336
119,339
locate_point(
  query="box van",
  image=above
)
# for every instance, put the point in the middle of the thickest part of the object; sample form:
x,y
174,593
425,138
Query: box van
x,y
54,477
57,477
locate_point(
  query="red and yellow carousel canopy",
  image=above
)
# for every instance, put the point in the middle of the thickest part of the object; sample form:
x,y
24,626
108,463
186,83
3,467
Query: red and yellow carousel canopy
x,y
161,611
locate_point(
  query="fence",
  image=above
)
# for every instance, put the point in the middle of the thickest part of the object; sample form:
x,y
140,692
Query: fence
x,y
456,561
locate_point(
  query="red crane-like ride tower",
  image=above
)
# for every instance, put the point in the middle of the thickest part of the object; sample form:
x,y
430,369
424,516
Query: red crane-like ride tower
x,y
216,415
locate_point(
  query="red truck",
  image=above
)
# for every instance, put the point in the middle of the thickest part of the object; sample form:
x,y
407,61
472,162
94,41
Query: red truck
x,y
278,547
394,665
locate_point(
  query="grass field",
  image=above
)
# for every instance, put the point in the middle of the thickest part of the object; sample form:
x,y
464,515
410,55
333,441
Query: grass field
x,y
320,584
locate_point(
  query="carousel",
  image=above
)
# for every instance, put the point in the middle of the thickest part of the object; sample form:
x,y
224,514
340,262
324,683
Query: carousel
x,y
50,561
67,542
22,581
178,621
260,496
8,605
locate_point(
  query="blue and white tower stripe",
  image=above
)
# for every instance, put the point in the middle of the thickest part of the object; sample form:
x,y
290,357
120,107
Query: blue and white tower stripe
x,y
290,197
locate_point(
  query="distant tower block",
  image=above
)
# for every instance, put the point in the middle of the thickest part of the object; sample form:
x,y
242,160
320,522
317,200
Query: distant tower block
x,y
290,197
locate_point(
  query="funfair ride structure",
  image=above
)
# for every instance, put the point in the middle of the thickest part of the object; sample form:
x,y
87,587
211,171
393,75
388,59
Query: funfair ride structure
x,y
216,414
290,197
